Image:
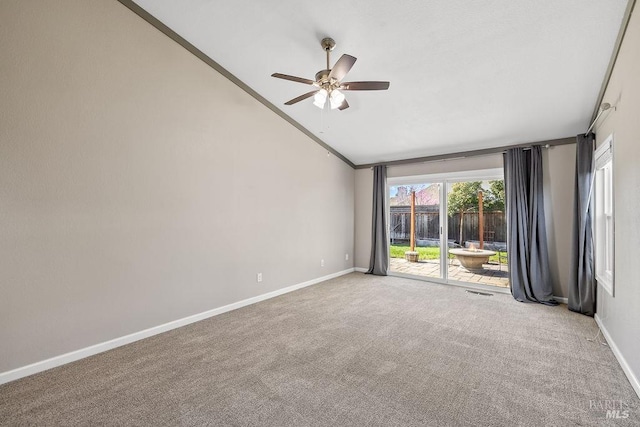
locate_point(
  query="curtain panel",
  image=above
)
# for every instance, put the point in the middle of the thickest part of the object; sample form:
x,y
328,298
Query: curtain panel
x,y
582,284
527,252
379,260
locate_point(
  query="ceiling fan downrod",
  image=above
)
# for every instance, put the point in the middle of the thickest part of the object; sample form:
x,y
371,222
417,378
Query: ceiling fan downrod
x,y
328,44
322,76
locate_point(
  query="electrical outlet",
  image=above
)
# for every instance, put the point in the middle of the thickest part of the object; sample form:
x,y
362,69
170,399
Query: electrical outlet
x,y
346,257
259,277
321,263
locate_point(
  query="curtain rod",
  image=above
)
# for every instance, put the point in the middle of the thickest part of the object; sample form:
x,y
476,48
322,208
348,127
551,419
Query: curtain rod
x,y
603,107
472,153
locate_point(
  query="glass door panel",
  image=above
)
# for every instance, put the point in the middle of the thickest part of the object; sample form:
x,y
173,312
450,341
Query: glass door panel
x,y
477,233
415,230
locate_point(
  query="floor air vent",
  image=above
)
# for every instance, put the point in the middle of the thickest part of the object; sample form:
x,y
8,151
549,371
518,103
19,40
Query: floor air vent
x,y
484,294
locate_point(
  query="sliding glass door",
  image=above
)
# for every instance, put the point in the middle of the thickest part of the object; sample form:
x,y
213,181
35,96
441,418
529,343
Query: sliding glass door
x,y
450,228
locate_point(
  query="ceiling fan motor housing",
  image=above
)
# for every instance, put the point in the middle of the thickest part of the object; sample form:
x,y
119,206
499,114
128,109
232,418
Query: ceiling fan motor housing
x,y
322,78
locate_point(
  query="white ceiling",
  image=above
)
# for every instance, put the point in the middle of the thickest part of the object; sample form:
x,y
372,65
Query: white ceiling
x,y
464,75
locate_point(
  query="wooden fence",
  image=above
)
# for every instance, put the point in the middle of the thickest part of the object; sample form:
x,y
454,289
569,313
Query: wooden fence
x,y
428,224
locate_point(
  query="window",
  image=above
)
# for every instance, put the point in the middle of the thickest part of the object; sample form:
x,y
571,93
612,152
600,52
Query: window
x,y
604,227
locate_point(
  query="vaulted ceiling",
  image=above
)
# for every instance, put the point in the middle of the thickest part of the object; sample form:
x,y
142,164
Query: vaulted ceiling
x,y
464,75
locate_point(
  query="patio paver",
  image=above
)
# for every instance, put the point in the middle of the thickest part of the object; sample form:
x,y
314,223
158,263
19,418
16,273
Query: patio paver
x,y
494,274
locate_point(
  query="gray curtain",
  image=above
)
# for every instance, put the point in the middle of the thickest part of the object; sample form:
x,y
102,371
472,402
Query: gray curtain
x,y
379,261
528,257
582,285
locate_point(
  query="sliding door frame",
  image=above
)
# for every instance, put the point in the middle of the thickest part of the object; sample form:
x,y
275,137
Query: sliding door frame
x,y
444,180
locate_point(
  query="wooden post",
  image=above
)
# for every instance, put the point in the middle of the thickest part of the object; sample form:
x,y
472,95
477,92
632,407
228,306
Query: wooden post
x,y
481,219
413,221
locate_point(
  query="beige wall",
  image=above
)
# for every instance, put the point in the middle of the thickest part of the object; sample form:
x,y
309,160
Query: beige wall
x,y
447,166
620,315
362,214
558,167
139,186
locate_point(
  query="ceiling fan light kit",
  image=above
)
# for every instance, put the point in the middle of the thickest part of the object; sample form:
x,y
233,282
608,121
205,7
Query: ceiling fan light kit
x,y
336,98
320,98
329,81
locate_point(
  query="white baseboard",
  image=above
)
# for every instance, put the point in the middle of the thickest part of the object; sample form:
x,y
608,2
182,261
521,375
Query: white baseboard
x,y
562,300
72,356
361,270
621,360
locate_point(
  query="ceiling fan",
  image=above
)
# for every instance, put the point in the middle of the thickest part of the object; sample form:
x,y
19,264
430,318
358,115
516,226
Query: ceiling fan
x,y
329,81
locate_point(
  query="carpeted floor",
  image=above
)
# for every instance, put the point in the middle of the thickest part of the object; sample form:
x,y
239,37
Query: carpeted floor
x,y
357,350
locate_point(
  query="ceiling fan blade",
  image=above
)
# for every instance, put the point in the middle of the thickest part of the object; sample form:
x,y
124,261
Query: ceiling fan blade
x,y
344,105
364,86
293,78
301,98
342,67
